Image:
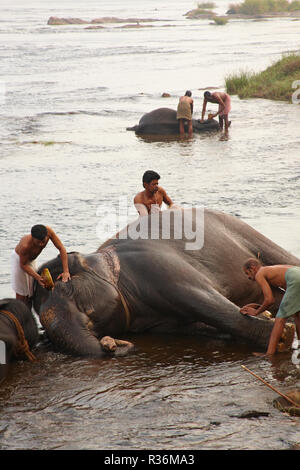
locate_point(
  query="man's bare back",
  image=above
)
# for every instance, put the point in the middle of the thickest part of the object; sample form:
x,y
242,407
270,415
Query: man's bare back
x,y
275,275
266,277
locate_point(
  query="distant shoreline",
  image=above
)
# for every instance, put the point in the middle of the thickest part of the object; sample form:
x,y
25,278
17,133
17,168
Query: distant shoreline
x,y
193,15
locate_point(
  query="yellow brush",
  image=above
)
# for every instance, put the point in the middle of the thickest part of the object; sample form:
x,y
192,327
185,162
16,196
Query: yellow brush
x,y
47,278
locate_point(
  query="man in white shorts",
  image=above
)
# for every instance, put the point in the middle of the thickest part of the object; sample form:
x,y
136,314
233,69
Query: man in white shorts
x,y
23,263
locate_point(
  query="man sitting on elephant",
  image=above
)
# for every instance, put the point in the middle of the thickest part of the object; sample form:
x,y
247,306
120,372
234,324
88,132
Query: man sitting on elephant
x,y
283,276
151,199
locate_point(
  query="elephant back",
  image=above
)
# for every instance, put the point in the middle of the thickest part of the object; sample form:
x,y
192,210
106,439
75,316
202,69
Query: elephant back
x,y
159,121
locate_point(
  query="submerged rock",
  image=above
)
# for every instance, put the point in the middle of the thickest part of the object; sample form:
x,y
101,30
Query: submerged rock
x,y
54,20
286,406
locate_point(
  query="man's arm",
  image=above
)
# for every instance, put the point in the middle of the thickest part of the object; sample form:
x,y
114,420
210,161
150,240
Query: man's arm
x,y
268,297
192,106
203,109
167,200
65,275
29,270
140,207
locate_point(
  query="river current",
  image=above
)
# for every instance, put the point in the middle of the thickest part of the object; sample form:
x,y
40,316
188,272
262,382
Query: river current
x,y
67,94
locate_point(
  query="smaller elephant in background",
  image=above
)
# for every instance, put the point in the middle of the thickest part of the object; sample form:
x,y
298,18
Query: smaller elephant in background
x,y
163,121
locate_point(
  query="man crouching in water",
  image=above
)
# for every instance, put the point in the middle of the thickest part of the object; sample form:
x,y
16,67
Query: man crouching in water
x,y
288,278
23,261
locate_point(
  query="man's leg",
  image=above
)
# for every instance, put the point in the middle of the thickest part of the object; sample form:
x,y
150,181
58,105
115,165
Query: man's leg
x,y
226,122
181,126
276,335
221,122
297,323
27,300
190,128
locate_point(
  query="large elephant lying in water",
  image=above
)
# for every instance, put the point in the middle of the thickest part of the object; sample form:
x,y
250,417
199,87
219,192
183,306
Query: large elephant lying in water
x,y
163,121
133,285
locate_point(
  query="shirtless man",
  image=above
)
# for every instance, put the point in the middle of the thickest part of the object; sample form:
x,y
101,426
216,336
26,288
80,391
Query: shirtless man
x,y
23,261
224,102
286,277
151,199
185,112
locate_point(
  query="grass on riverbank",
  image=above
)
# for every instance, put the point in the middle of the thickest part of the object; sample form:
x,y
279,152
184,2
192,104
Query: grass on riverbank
x,y
273,83
256,7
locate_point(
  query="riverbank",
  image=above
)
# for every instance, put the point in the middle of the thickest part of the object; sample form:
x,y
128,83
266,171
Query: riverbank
x,y
274,83
250,9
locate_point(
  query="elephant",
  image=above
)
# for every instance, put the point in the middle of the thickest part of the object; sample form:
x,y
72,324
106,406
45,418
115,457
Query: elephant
x,y
18,333
163,121
134,284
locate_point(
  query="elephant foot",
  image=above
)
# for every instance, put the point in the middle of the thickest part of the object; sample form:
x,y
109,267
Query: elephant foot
x,y
108,344
117,347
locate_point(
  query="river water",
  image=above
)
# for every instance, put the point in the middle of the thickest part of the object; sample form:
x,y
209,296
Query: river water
x,y
66,160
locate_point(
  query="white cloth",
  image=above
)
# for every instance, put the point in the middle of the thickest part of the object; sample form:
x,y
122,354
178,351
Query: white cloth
x,y
21,282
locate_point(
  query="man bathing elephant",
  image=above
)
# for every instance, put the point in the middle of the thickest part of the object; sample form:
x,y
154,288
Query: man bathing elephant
x,y
224,102
23,261
135,283
184,112
286,277
163,121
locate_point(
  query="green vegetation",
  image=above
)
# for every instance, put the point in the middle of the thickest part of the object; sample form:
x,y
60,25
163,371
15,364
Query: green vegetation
x,y
220,20
256,7
273,83
206,6
203,9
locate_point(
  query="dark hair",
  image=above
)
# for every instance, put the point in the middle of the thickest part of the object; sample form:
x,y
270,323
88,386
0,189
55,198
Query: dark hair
x,y
39,232
150,175
207,94
188,93
251,262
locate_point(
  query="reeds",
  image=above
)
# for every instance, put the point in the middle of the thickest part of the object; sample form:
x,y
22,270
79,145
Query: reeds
x,y
273,83
256,7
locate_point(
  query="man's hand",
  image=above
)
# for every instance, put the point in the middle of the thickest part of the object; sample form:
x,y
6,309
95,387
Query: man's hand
x,y
65,276
247,310
41,281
